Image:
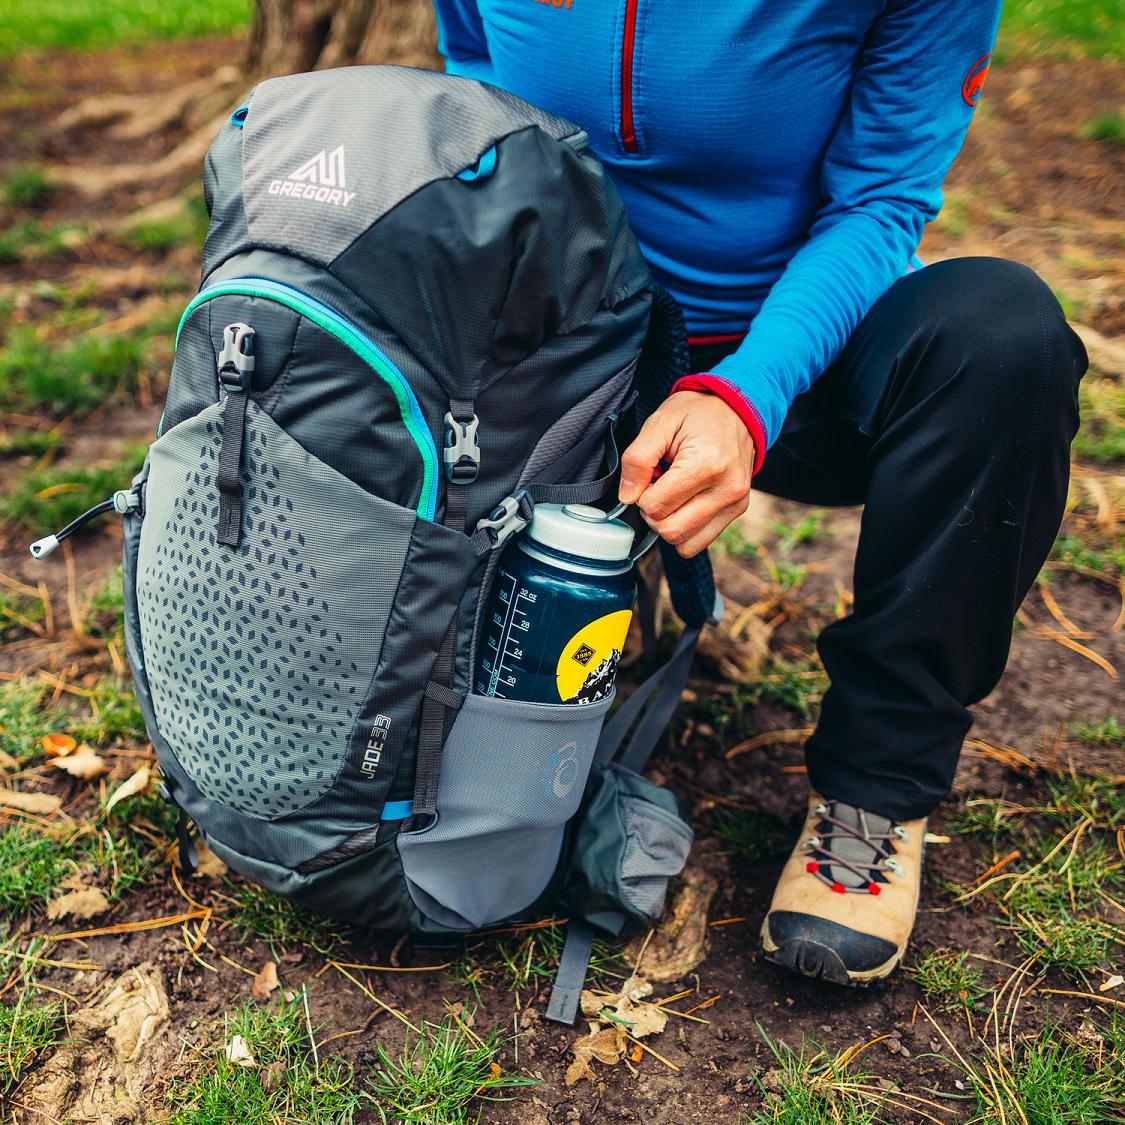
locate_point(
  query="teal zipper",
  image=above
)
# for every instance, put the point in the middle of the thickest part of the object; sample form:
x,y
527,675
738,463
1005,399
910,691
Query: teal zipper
x,y
351,337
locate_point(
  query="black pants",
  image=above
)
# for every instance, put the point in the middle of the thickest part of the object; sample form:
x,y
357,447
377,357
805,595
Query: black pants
x,y
949,415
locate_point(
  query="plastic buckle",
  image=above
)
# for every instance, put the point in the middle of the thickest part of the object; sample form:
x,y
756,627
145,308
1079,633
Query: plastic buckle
x,y
462,452
717,610
236,360
508,518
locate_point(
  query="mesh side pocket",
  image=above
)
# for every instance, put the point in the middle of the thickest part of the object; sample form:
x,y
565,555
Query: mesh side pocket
x,y
656,848
512,776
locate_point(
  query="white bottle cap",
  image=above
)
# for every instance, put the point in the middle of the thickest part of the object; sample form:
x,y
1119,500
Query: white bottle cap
x,y
579,529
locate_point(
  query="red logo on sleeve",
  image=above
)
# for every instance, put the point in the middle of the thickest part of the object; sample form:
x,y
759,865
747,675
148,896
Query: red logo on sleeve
x,y
974,81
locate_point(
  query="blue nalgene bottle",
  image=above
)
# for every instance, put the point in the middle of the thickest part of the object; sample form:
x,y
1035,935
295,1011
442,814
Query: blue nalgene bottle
x,y
560,608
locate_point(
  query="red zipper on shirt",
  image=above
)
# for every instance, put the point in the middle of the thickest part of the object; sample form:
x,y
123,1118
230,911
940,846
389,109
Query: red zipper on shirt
x,y
628,129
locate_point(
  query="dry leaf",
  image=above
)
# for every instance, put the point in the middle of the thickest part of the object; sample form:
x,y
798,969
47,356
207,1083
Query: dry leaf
x,y
84,902
7,762
43,803
238,1052
606,1044
138,783
619,1015
207,863
84,763
1115,981
265,982
59,745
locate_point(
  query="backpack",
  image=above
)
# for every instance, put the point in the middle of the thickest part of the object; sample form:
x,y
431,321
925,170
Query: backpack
x,y
422,311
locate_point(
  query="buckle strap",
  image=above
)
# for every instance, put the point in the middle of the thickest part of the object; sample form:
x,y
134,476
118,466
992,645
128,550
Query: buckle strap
x,y
566,992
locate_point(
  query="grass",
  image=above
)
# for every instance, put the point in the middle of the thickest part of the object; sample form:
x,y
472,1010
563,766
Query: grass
x,y
186,227
90,24
289,1082
113,714
811,1087
25,186
796,684
31,867
45,501
1106,732
526,958
30,240
278,922
23,717
26,1031
29,443
1101,438
441,1075
20,615
1106,128
1061,29
733,540
948,978
1052,1078
1089,554
809,529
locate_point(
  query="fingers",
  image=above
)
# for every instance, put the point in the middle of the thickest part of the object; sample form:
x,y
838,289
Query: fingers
x,y
697,524
640,461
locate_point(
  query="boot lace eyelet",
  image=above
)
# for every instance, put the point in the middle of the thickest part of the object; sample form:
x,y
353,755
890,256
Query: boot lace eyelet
x,y
813,842
900,832
893,866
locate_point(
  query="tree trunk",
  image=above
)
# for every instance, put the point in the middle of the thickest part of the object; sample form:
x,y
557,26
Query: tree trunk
x,y
289,36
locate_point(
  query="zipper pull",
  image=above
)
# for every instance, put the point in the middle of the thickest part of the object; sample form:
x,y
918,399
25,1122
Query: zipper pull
x,y
123,501
236,369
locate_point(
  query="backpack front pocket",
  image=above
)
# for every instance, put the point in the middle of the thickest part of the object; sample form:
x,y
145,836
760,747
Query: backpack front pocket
x,y
260,658
512,776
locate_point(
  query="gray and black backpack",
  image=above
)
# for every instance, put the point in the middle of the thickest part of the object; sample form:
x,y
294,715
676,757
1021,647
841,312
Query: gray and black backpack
x,y
422,311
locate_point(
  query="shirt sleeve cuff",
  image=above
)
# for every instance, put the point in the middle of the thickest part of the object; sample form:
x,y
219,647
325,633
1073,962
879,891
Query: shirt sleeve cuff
x,y
737,401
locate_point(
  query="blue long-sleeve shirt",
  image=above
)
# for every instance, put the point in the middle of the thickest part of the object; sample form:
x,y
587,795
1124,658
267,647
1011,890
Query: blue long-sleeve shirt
x,y
778,158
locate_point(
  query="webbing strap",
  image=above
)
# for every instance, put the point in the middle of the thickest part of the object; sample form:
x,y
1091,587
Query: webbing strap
x,y
228,529
544,487
664,687
566,992
189,861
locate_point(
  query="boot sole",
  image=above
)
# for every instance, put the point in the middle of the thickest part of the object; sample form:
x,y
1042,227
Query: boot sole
x,y
819,962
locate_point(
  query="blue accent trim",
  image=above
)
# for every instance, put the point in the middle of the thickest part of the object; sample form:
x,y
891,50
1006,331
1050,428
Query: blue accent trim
x,y
397,810
238,118
485,166
353,338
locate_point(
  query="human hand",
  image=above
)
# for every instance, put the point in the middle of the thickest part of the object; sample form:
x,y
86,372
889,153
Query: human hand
x,y
710,457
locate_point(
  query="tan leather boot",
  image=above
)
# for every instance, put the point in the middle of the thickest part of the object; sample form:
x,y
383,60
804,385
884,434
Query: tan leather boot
x,y
845,903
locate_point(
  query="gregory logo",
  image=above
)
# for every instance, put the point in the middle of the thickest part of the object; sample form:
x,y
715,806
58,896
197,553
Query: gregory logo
x,y
561,771
373,753
321,178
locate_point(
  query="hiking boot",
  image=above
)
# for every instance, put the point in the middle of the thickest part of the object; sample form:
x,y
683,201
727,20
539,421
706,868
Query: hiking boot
x,y
845,903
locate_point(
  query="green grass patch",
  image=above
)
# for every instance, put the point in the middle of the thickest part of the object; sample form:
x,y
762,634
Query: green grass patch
x,y
1106,128
1053,1079
1071,29
113,716
1101,438
1107,732
26,1031
20,616
529,957
810,529
25,186
734,541
811,1087
28,443
91,24
186,227
949,979
795,684
290,1082
68,378
1106,558
48,500
31,867
30,240
23,717
278,922
442,1075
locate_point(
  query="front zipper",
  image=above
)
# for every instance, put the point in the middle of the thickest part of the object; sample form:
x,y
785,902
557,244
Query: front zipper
x,y
628,47
351,337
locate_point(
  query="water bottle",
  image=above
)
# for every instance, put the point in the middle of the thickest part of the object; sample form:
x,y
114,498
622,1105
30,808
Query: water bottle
x,y
560,608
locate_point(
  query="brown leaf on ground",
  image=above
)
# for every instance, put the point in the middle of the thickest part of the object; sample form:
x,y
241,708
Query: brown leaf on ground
x,y
238,1052
265,982
617,1016
679,943
114,1062
138,783
59,745
83,762
41,803
83,902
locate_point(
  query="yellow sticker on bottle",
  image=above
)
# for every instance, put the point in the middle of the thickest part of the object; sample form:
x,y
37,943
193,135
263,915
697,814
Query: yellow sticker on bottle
x,y
589,659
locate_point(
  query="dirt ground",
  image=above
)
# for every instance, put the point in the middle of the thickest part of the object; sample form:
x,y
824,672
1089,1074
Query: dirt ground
x,y
1027,186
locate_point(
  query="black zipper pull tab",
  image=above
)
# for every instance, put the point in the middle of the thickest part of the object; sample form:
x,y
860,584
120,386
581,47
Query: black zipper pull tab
x,y
123,501
236,369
